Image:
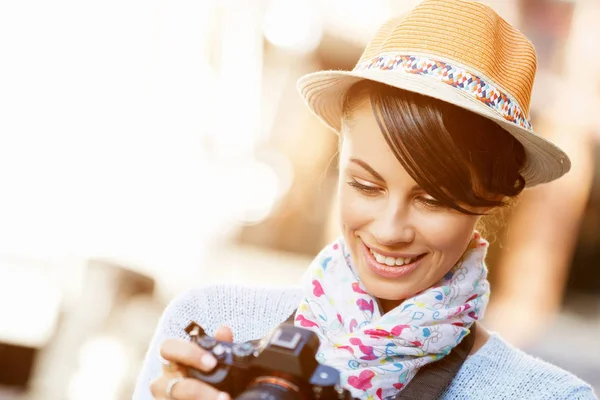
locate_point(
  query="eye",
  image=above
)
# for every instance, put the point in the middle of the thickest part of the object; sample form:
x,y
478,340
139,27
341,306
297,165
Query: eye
x,y
430,201
367,190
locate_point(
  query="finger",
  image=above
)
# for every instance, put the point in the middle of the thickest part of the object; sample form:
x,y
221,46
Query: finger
x,y
172,368
187,389
224,334
188,354
167,366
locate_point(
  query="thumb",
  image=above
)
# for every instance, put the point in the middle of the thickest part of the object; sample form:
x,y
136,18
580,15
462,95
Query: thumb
x,y
224,333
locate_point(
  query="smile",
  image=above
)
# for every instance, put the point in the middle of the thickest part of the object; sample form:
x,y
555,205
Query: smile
x,y
391,261
391,266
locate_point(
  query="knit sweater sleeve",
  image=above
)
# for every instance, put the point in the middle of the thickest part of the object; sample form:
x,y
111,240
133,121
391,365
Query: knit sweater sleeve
x,y
250,312
500,371
581,391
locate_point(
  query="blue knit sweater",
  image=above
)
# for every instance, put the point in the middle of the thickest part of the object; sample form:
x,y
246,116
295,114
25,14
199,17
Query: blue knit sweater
x,y
496,371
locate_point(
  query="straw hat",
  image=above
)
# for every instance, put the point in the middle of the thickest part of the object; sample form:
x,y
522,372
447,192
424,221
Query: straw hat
x,y
460,52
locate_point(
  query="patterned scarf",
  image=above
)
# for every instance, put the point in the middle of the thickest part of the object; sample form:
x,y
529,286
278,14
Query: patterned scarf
x,y
376,354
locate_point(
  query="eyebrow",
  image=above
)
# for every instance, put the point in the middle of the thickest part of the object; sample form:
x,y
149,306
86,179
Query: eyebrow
x,y
368,168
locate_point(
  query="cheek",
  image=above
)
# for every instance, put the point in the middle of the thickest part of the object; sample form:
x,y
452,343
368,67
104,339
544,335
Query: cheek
x,y
354,210
448,233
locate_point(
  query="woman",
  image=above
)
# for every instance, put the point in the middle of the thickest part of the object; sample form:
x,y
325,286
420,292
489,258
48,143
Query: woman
x,y
434,133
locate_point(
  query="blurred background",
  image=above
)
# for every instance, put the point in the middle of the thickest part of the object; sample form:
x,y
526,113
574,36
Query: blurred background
x,y
147,147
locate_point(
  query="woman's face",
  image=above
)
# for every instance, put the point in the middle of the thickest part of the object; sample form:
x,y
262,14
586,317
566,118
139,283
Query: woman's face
x,y
387,219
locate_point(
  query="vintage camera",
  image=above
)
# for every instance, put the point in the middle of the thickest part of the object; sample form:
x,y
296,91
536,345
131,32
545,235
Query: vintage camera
x,y
281,366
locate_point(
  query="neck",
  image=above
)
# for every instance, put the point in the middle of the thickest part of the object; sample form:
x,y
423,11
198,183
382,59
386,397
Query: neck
x,y
388,305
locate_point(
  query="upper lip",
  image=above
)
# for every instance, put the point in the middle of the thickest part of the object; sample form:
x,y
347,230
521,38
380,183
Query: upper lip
x,y
393,255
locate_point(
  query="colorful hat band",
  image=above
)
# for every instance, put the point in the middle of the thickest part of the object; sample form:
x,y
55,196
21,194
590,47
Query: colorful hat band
x,y
455,77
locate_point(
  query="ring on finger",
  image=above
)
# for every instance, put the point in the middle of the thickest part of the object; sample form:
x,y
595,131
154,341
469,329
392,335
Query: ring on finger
x,y
171,385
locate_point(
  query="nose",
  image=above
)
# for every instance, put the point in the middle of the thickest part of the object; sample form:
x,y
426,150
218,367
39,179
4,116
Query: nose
x,y
393,228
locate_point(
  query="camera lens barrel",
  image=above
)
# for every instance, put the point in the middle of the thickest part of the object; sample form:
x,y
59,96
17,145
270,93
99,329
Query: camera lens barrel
x,y
268,391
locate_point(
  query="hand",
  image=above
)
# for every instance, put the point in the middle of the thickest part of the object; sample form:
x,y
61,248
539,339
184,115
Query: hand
x,y
180,354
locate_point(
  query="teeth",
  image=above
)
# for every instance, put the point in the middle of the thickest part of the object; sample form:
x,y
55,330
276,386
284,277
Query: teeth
x,y
390,261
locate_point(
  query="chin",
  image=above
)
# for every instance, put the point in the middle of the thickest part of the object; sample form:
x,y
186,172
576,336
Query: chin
x,y
387,293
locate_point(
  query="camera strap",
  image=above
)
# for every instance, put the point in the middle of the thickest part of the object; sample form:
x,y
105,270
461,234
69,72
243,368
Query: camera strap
x,y
434,378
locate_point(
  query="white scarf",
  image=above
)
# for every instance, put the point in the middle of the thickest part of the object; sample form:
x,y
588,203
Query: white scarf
x,y
378,355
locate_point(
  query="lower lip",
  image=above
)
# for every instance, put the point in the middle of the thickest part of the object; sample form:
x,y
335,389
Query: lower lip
x,y
385,270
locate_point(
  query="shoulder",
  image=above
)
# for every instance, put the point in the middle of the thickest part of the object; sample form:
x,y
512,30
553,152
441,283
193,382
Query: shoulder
x,y
249,310
499,371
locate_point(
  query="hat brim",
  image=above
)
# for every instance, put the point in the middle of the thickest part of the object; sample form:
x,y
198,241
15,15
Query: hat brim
x,y
324,92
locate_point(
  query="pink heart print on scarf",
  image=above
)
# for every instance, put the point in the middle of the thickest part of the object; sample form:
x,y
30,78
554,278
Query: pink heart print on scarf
x,y
317,289
379,354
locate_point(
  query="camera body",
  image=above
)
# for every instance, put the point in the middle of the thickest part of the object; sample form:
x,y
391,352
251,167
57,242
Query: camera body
x,y
280,366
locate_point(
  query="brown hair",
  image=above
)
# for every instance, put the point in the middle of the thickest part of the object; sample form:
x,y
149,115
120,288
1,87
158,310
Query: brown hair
x,y
454,155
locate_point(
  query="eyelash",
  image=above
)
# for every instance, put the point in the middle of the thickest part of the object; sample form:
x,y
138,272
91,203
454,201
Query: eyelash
x,y
370,191
431,203
363,188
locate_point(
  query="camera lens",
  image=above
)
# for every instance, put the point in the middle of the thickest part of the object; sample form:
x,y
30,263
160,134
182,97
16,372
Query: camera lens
x,y
268,391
